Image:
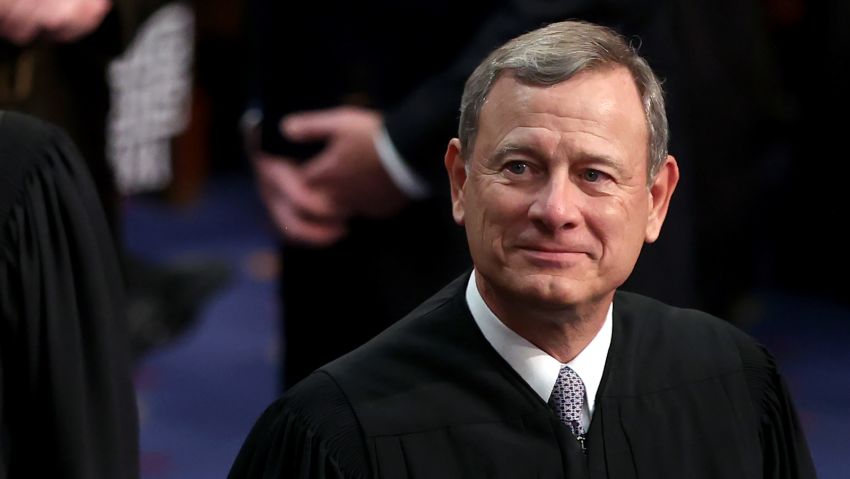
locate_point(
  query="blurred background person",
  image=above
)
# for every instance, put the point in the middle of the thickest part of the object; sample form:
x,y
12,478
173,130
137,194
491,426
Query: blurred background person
x,y
54,64
67,407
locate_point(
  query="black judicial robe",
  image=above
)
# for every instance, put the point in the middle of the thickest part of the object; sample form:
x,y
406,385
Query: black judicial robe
x,y
67,407
683,395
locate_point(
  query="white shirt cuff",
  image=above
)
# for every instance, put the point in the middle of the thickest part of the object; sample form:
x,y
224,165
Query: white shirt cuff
x,y
402,175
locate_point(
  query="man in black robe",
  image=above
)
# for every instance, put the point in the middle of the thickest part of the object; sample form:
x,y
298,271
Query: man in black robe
x,y
67,406
534,365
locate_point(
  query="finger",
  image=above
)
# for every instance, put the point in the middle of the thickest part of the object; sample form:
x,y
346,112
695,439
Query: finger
x,y
259,156
324,168
296,228
21,23
53,14
284,182
311,125
78,19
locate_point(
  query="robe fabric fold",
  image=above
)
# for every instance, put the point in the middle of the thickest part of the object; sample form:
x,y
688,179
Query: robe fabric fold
x,y
67,407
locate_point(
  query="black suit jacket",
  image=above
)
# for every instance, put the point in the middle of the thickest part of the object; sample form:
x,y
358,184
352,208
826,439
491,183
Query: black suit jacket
x,y
683,394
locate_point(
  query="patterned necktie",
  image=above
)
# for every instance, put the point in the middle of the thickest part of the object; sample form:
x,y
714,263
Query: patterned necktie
x,y
567,399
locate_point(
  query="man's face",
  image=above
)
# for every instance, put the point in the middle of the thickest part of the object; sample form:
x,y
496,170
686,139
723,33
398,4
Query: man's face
x,y
555,201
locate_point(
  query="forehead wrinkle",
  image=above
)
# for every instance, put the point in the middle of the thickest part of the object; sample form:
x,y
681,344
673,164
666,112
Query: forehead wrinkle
x,y
509,148
566,127
587,120
563,119
577,151
531,144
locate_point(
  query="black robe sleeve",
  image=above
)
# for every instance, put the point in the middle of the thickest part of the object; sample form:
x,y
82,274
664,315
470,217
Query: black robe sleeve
x,y
67,407
785,453
309,433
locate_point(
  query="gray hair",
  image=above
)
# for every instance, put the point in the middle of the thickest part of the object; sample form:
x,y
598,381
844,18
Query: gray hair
x,y
552,55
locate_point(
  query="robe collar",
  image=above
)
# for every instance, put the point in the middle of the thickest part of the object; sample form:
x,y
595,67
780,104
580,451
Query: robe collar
x,y
537,368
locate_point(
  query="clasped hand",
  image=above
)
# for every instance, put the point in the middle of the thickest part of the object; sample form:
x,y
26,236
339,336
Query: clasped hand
x,y
312,202
23,21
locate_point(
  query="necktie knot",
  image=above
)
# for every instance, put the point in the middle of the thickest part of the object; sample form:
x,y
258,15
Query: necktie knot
x,y
567,400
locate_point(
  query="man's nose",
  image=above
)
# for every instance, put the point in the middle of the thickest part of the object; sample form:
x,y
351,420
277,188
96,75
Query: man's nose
x,y
556,204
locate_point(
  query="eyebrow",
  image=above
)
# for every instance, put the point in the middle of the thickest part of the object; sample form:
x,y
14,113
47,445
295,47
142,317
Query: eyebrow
x,y
511,149
578,157
585,157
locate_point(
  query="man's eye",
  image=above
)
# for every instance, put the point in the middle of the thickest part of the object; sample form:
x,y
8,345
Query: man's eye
x,y
517,167
592,175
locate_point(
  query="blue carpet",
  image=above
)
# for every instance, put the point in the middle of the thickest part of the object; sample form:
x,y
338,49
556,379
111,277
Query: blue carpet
x,y
199,396
810,339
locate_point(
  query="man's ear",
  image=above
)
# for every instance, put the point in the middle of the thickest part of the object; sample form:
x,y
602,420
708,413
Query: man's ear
x,y
456,167
660,192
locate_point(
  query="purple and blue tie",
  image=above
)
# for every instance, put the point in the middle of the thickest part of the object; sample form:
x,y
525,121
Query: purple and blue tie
x,y
567,400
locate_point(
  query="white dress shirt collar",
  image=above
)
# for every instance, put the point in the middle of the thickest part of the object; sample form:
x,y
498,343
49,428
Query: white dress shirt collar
x,y
535,366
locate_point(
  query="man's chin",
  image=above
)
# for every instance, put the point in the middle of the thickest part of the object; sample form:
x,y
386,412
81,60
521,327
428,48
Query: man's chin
x,y
551,292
